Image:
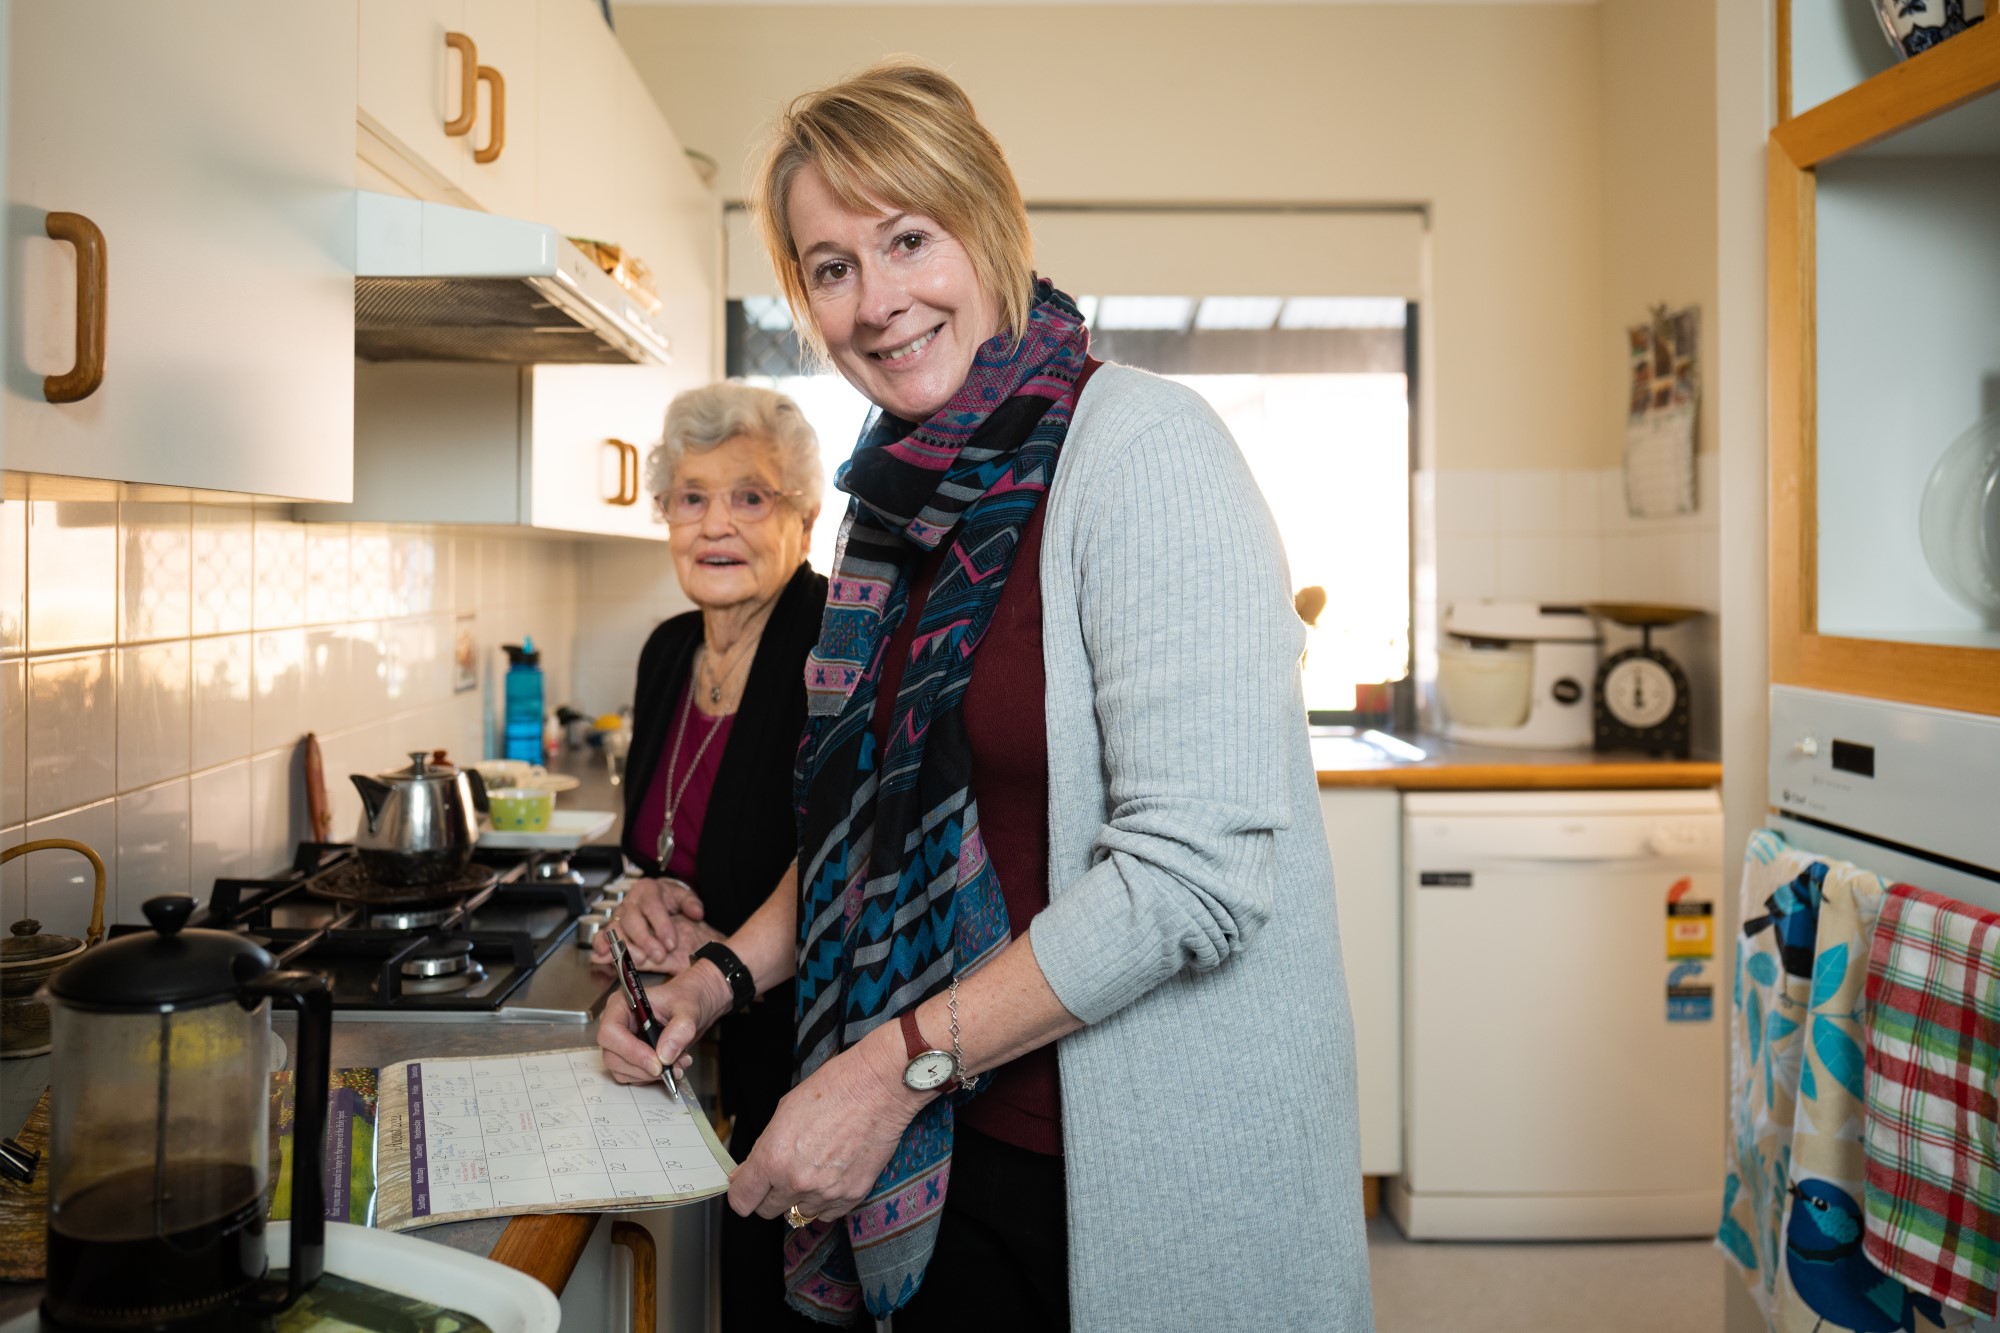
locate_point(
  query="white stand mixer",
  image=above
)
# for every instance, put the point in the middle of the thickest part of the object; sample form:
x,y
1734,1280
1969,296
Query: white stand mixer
x,y
1518,674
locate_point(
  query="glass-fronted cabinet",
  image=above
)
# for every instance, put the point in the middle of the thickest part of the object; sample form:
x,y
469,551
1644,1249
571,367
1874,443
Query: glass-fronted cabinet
x,y
1885,369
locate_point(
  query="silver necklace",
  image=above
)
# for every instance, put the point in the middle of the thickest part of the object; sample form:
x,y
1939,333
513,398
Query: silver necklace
x,y
666,848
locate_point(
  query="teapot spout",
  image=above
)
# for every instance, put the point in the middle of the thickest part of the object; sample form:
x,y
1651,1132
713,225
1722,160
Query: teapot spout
x,y
373,795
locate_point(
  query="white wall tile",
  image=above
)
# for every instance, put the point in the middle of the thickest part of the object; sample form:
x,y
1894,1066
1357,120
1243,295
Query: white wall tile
x,y
327,701
1530,568
280,564
1580,503
13,878
329,573
155,575
1468,567
225,584
414,566
72,574
154,713
277,806
61,884
277,689
1612,514
1467,503
1581,560
367,672
13,742
13,577
152,846
1529,502
221,700
219,826
1708,487
72,732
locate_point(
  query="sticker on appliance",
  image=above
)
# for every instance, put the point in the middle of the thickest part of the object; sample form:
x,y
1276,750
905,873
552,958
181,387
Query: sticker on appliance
x,y
1690,923
1690,998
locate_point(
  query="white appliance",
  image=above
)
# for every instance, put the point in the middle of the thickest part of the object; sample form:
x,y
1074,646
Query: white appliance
x,y
1561,1073
1908,792
1518,674
436,283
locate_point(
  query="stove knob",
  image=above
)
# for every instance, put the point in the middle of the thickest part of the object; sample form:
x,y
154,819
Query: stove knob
x,y
588,925
1806,748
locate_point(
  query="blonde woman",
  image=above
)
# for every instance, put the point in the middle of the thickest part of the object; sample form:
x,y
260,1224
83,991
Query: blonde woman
x,y
1073,1042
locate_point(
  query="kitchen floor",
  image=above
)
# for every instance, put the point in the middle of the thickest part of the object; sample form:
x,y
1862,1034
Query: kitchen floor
x,y
1649,1287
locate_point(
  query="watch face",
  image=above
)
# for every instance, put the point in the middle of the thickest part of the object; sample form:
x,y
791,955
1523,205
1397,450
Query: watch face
x,y
931,1069
1639,692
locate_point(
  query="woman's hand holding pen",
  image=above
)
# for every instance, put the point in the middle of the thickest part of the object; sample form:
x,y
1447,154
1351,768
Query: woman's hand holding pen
x,y
686,1007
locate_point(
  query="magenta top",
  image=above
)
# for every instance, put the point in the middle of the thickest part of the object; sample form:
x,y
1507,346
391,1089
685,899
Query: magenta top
x,y
700,780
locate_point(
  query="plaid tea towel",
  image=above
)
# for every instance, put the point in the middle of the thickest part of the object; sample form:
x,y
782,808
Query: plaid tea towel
x,y
1933,1126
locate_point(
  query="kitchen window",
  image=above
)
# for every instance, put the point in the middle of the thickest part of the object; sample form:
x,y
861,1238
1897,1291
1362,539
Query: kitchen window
x,y
1317,392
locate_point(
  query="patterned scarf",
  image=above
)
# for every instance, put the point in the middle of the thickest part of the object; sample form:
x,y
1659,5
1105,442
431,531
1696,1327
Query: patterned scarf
x,y
896,894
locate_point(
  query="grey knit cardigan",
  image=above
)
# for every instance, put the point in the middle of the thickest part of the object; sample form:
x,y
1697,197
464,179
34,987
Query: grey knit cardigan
x,y
1209,1115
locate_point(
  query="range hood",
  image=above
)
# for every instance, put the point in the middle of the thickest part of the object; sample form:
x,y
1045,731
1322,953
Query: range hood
x,y
435,283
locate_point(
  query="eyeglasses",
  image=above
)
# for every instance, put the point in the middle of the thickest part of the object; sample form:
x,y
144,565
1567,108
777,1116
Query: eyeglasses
x,y
746,504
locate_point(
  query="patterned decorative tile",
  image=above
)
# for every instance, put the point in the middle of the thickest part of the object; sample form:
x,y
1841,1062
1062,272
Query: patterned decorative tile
x,y
156,575
329,573
224,569
280,564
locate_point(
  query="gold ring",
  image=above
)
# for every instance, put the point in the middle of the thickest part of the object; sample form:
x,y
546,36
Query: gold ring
x,y
797,1218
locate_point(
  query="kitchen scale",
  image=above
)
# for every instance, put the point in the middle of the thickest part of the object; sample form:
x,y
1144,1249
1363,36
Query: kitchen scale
x,y
1641,699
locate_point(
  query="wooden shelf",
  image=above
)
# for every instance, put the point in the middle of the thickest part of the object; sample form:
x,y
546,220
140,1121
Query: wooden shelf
x,y
1948,75
1951,75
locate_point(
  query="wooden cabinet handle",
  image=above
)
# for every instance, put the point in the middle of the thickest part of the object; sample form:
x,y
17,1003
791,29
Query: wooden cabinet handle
x,y
497,140
468,84
645,1273
87,372
628,473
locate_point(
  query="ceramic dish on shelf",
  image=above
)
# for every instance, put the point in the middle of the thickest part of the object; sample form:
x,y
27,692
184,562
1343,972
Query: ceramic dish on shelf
x,y
503,1299
567,830
1959,520
521,773
1915,26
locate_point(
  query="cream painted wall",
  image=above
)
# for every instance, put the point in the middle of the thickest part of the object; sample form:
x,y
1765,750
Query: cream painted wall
x,y
1659,184
1489,115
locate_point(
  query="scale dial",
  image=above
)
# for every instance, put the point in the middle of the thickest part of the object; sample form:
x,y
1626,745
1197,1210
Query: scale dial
x,y
1640,692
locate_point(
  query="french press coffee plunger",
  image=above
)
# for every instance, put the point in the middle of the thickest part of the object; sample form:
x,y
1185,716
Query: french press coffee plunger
x,y
159,1113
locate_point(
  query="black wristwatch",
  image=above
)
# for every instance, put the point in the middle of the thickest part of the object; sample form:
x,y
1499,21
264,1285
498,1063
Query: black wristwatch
x,y
741,988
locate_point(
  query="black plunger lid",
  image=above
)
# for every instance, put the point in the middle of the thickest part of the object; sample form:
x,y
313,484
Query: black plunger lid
x,y
168,967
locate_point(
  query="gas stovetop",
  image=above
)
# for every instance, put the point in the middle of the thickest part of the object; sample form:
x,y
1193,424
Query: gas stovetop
x,y
497,943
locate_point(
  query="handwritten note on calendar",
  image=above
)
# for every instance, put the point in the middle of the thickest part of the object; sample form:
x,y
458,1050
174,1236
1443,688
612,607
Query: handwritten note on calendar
x,y
550,1132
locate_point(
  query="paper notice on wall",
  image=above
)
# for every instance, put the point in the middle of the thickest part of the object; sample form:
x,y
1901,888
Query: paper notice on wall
x,y
1660,422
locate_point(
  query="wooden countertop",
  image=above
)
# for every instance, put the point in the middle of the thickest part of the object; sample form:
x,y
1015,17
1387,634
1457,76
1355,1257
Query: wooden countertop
x,y
1452,766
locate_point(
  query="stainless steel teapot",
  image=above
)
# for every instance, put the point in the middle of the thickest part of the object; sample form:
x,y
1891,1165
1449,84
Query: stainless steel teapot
x,y
419,824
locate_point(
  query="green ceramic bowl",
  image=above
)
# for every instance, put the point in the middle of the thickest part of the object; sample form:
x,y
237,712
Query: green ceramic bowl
x,y
520,809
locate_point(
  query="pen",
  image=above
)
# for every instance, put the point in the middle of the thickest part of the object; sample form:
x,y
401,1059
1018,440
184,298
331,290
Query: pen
x,y
650,1028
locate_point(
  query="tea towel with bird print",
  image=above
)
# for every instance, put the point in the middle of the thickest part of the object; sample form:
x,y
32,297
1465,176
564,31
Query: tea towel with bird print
x,y
1933,1200
1791,1211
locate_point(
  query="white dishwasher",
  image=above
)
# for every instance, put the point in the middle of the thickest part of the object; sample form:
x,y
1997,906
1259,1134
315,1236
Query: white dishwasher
x,y
1564,1005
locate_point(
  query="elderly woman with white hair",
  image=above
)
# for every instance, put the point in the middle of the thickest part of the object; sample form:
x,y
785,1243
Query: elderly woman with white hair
x,y
716,720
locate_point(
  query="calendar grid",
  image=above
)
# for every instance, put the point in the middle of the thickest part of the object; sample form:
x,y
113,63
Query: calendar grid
x,y
539,1133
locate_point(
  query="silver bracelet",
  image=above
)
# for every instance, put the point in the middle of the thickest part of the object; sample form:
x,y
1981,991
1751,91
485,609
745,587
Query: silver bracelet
x,y
967,1082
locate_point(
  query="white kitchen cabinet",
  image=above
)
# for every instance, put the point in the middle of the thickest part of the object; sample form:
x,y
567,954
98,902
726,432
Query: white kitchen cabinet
x,y
554,447
583,146
212,146
670,219
411,94
1364,832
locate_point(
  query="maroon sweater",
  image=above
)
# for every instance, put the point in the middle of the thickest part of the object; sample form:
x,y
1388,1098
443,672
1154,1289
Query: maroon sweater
x,y
1006,721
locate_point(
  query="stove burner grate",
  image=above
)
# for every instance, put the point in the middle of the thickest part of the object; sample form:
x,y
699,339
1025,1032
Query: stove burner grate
x,y
348,882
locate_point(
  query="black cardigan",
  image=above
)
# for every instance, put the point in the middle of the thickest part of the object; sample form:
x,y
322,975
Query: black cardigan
x,y
750,832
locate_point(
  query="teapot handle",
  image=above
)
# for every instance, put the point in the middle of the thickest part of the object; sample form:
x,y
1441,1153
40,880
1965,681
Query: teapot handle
x,y
478,783
96,931
306,992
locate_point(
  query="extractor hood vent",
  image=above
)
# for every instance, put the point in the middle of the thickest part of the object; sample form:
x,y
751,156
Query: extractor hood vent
x,y
435,283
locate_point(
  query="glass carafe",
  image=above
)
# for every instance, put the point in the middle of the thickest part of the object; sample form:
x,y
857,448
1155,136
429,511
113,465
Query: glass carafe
x,y
159,1115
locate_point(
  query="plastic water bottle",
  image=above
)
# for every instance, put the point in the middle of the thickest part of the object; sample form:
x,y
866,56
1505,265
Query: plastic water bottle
x,y
522,728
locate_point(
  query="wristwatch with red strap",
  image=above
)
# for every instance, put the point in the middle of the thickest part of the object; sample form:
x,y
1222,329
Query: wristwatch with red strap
x,y
929,1068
